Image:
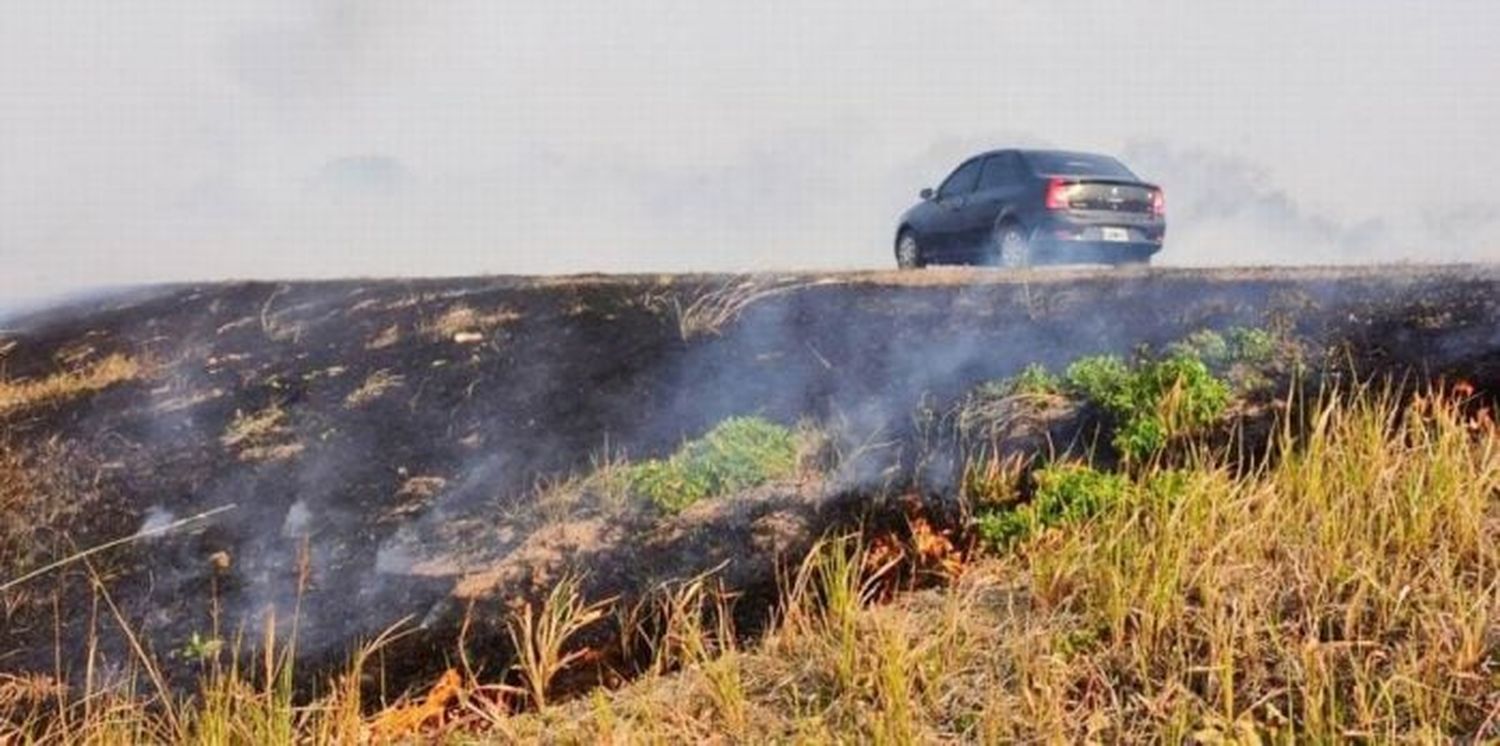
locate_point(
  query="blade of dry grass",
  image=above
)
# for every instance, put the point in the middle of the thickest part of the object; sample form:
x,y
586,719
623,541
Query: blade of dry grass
x,y
108,545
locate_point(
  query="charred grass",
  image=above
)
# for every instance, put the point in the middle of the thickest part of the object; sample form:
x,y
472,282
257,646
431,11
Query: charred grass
x,y
1338,583
1349,589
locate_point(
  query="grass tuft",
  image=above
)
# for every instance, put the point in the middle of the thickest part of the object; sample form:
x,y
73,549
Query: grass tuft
x,y
540,635
1033,380
262,435
68,385
737,454
710,310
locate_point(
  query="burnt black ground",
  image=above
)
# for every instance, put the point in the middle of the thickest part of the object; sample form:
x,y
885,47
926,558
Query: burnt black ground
x,y
563,369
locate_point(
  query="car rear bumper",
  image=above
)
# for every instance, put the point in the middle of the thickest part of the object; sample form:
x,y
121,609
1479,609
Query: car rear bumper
x,y
1091,252
1096,238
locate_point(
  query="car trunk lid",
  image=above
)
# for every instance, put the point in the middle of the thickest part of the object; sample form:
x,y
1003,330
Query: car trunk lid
x,y
1106,195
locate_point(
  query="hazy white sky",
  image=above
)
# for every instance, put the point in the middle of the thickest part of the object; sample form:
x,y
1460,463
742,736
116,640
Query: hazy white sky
x,y
166,140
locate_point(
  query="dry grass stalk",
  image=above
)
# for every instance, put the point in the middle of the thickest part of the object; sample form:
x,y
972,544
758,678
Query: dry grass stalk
x,y
44,486
274,327
264,435
463,323
374,386
387,337
541,635
106,546
603,489
710,310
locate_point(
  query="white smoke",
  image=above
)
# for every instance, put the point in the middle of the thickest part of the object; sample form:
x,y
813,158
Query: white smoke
x,y
179,140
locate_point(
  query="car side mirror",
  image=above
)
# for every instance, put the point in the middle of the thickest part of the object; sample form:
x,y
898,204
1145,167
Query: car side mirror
x,y
925,194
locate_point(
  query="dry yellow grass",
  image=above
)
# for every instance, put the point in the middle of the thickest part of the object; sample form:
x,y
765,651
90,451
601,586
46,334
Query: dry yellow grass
x,y
263,435
387,337
374,386
708,311
60,387
463,322
1348,590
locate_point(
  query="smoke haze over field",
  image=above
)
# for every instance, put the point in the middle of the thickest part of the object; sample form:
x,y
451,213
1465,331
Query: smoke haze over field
x,y
172,140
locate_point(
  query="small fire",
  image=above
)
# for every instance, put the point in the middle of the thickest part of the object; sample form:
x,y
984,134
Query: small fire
x,y
405,721
1463,390
926,551
1463,400
936,552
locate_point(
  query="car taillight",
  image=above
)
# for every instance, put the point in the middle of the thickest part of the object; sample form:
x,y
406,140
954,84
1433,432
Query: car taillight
x,y
1057,195
1159,203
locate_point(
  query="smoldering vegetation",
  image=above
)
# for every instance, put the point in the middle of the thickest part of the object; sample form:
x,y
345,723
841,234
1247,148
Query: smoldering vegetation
x,y
342,458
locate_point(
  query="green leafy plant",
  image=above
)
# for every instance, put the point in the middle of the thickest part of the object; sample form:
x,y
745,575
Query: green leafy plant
x,y
1099,378
1073,492
1000,529
1254,345
1241,347
1033,379
202,648
1153,402
1205,344
739,453
1065,493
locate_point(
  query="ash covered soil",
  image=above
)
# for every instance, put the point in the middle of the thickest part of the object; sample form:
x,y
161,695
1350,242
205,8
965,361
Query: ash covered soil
x,y
380,451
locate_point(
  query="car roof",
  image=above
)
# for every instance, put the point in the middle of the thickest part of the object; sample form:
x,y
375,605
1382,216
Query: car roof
x,y
1038,151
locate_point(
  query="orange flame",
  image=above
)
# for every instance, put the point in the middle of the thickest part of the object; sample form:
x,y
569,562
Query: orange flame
x,y
404,721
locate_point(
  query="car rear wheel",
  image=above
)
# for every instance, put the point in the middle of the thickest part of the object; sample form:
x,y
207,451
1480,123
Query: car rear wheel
x,y
909,252
1012,247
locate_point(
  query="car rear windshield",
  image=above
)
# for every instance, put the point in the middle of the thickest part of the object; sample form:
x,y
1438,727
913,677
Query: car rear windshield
x,y
1077,164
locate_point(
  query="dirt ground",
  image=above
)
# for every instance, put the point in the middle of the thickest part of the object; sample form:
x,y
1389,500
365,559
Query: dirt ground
x,y
376,446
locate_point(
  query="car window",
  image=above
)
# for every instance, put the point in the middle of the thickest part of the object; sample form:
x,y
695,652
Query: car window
x,y
1077,164
999,170
962,181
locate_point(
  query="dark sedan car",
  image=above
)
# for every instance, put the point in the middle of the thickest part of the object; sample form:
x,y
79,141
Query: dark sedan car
x,y
1016,208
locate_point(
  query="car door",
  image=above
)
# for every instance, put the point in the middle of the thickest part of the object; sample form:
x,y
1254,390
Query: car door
x,y
996,193
943,234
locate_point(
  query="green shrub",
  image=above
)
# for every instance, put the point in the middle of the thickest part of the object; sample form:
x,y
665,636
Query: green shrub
x,y
739,453
1240,345
1205,344
1167,398
1254,346
1153,402
1068,493
1000,529
1065,493
1100,379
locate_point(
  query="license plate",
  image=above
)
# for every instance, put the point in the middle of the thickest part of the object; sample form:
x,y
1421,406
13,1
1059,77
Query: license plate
x,y
1116,234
